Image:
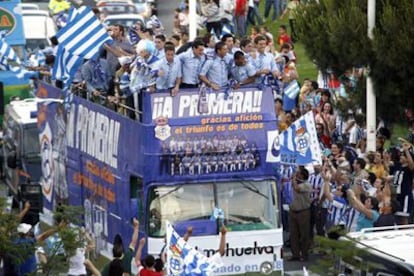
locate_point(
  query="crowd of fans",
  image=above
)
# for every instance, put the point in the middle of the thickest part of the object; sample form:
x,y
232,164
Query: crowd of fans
x,y
354,188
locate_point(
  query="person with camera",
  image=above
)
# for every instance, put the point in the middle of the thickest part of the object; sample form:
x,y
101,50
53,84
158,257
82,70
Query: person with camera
x,y
299,215
340,214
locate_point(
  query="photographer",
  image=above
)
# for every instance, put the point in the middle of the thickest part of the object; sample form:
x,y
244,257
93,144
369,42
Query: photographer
x,y
299,215
340,214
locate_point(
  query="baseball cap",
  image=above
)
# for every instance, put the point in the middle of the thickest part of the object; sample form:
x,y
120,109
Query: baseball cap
x,y
24,228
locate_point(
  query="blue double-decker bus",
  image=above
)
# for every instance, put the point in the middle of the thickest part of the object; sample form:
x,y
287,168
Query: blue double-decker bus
x,y
183,161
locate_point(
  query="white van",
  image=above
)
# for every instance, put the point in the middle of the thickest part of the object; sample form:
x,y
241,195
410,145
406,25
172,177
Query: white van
x,y
38,28
388,251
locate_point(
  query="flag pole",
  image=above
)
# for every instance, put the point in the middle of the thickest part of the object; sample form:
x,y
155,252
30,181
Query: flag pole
x,y
192,19
370,95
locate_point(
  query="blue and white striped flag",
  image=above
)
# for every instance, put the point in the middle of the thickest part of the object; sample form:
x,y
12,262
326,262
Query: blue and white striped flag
x,y
134,38
81,38
66,65
183,259
84,34
7,54
298,144
290,94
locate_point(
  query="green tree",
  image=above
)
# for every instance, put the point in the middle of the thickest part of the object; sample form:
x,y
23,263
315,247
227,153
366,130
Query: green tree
x,y
70,238
8,235
334,251
334,34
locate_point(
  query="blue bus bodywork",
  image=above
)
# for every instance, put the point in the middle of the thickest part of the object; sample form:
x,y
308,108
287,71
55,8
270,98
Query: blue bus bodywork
x,y
181,163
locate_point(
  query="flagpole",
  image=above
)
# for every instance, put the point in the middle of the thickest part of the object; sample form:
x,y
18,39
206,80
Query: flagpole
x,y
192,19
370,95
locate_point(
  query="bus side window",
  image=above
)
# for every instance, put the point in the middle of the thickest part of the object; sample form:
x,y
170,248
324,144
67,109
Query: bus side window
x,y
136,192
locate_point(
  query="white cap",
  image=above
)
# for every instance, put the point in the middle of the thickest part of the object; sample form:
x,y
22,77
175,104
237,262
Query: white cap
x,y
24,228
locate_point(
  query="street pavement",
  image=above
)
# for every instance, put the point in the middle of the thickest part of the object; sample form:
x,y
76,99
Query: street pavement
x,y
296,267
166,14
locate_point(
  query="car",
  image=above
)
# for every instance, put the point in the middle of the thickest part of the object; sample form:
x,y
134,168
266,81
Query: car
x,y
42,4
144,7
126,20
29,6
116,7
38,28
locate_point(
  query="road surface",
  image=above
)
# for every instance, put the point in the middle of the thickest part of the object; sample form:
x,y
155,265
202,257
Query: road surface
x,y
166,14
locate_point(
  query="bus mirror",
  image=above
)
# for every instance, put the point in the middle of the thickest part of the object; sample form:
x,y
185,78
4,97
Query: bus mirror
x,y
11,161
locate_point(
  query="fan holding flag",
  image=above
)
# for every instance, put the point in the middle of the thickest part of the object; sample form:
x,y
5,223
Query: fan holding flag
x,y
183,259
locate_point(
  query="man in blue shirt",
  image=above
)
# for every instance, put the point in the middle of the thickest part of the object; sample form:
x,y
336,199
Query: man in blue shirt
x,y
159,41
214,72
191,63
242,71
228,39
246,46
169,75
264,62
28,241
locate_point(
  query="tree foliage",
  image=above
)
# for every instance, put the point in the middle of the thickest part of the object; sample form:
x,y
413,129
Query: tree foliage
x,y
8,235
334,251
334,34
70,239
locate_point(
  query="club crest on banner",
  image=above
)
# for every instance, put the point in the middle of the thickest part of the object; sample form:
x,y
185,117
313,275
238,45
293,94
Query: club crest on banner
x,y
276,146
162,129
273,146
47,162
176,264
302,140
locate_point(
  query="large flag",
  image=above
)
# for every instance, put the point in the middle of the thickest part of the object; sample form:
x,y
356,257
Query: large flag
x,y
298,144
182,259
84,34
81,38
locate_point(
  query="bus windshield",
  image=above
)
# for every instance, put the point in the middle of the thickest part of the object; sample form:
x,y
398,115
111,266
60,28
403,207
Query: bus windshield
x,y
247,205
